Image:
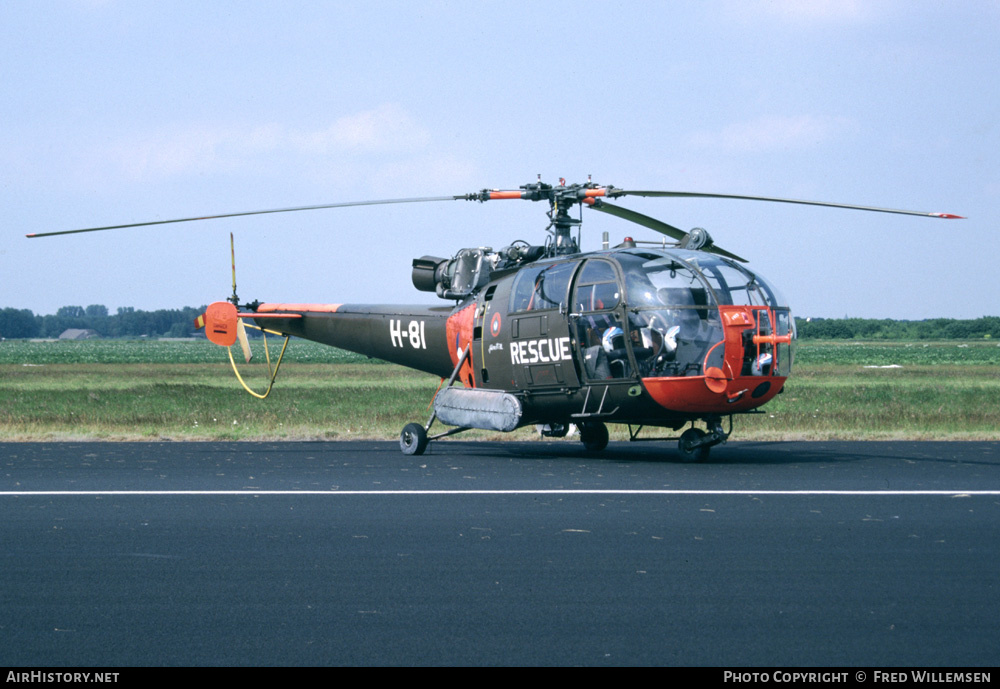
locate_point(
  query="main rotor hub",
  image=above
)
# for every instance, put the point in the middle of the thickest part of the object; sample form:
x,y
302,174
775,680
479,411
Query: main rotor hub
x,y
561,198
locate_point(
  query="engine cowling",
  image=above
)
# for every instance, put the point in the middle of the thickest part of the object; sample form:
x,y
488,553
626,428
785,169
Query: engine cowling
x,y
454,278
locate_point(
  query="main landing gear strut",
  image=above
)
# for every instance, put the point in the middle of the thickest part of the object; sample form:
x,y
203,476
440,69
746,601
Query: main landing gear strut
x,y
414,438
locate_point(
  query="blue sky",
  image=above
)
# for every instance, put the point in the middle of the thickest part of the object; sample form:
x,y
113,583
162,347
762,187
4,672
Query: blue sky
x,y
116,112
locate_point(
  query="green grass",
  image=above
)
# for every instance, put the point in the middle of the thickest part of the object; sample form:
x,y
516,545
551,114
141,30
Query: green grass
x,y
186,390
912,402
204,401
157,352
850,352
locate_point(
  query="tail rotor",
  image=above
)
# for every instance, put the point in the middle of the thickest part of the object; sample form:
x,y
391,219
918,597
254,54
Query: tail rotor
x,y
221,320
241,331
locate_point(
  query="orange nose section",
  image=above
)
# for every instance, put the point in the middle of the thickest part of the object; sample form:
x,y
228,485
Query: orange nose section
x,y
220,323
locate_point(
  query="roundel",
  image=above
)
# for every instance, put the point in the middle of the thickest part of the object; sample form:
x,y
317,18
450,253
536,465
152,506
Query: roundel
x,y
495,325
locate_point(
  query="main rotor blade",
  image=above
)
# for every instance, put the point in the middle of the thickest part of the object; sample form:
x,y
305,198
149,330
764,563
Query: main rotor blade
x,y
615,193
245,213
654,224
713,249
638,218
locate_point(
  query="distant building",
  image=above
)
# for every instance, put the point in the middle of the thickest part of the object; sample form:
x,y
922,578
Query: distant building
x,y
78,334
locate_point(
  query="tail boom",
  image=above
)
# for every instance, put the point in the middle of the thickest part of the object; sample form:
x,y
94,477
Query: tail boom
x,y
412,336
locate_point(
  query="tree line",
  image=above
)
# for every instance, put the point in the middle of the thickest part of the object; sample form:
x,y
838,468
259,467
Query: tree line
x,y
987,327
131,322
126,322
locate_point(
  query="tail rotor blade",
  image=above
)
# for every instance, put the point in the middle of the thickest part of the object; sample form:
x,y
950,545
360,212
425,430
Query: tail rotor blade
x,y
241,335
232,252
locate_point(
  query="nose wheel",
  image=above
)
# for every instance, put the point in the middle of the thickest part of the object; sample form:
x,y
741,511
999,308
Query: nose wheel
x,y
695,443
692,447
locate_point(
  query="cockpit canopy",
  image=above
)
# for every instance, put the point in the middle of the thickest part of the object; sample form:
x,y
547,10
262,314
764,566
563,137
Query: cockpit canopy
x,y
671,320
674,297
675,279
680,278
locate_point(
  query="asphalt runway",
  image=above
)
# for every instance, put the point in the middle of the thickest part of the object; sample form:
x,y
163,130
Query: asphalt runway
x,y
349,553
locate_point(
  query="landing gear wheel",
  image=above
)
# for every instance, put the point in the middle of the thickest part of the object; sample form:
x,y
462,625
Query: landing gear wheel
x,y
693,454
413,439
594,435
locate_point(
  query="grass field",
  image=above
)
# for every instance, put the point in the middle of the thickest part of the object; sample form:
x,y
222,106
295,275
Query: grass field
x,y
186,391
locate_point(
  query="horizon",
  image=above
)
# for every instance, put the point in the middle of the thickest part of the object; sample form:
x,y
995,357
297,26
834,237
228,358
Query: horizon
x,y
798,317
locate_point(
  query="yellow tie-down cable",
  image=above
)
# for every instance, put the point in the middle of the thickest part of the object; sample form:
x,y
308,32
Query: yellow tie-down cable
x,y
245,344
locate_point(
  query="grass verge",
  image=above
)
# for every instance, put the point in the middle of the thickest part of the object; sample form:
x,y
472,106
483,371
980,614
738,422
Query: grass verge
x,y
938,391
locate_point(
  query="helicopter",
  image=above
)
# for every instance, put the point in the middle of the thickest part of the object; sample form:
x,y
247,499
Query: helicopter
x,y
642,334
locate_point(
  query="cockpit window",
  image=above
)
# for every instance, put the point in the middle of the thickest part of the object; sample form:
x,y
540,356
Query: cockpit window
x,y
734,284
657,280
597,287
597,270
676,341
673,317
542,287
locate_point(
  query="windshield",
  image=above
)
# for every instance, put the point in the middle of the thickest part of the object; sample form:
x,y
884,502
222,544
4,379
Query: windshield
x,y
735,284
673,300
673,314
680,277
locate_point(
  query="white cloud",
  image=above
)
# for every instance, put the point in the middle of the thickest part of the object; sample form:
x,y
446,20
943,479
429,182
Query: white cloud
x,y
386,131
812,12
433,171
819,10
386,128
770,133
168,153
